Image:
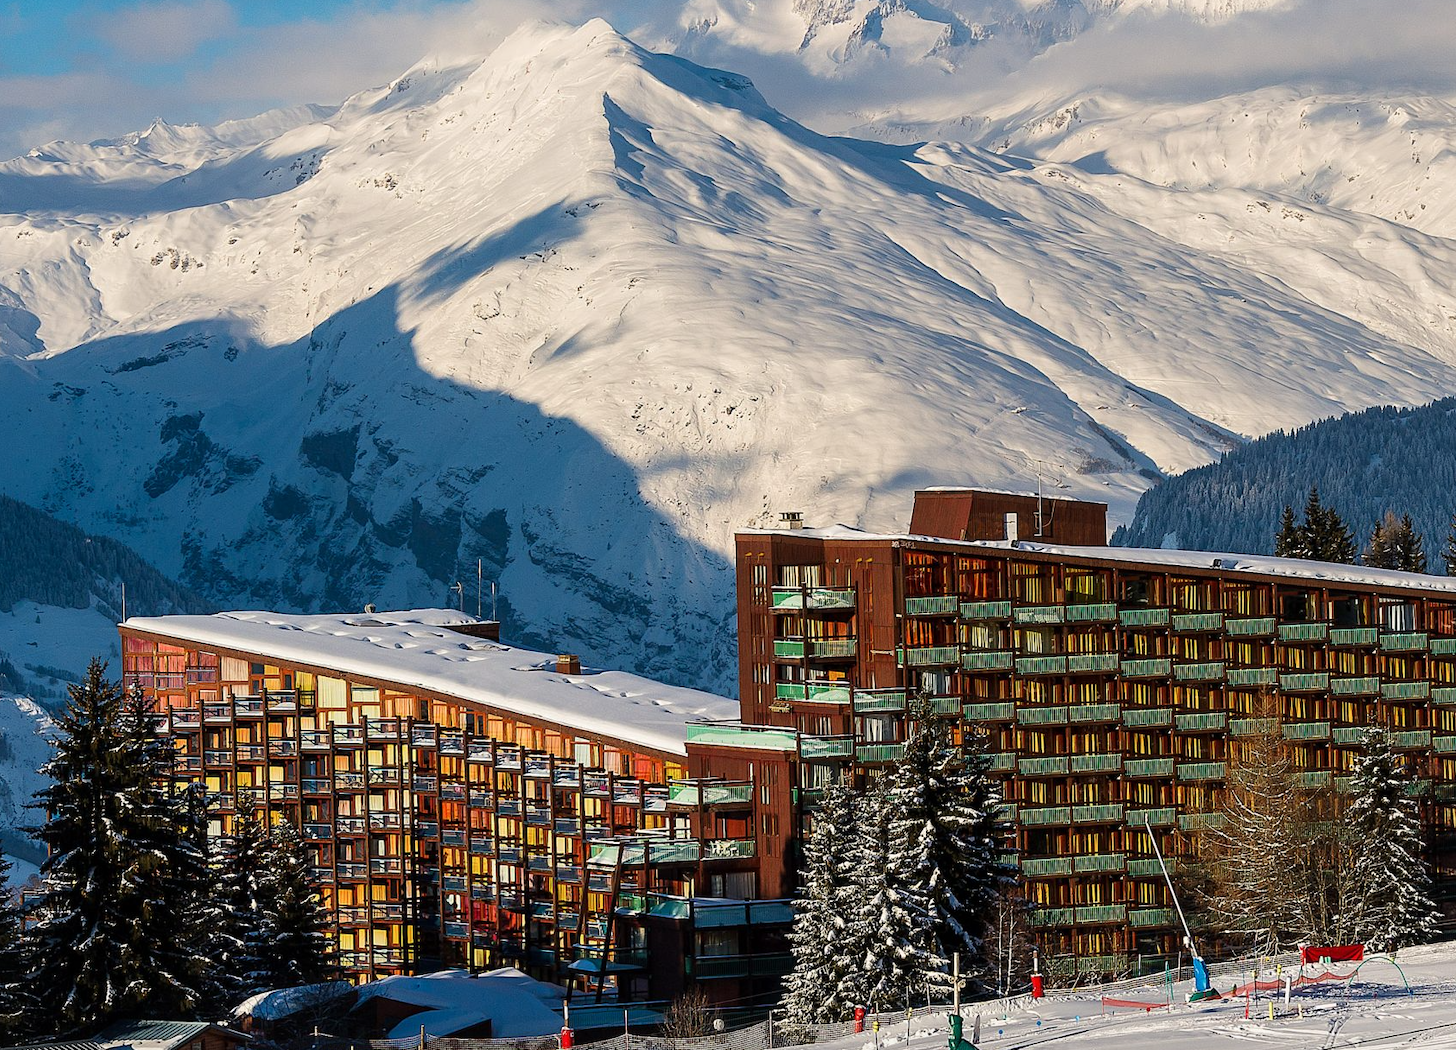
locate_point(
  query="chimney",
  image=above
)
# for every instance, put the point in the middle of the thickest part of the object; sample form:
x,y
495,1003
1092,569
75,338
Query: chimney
x,y
568,663
1012,534
791,519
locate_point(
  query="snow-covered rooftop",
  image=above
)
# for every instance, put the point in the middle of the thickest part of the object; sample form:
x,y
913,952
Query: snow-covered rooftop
x,y
1264,565
419,649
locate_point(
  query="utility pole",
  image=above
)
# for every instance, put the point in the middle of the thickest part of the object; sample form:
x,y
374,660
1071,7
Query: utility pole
x,y
479,585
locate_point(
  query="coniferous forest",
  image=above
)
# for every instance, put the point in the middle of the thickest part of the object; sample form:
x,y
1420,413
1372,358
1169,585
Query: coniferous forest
x,y
1400,460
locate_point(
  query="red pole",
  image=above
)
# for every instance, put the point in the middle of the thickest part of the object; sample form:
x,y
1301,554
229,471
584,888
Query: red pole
x,y
859,1016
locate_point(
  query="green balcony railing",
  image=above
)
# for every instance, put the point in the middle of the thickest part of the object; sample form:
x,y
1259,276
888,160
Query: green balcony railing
x,y
1108,814
1158,818
1148,867
1199,672
828,692
1142,768
1252,676
1042,716
1089,862
1192,771
1047,815
1002,712
832,648
1034,665
1101,913
1040,867
879,752
1095,763
929,656
1200,721
1409,642
1305,682
1092,713
1200,821
1443,646
1444,694
1152,668
1147,716
1250,627
1142,918
877,701
1444,745
1303,632
1143,617
1001,761
1100,612
1310,779
943,705
989,660
1252,726
934,605
1052,765
728,735
1092,663
1405,690
1349,736
1198,621
1054,917
1411,739
789,647
829,599
1306,730
1349,637
1365,685
1039,614
826,747
985,610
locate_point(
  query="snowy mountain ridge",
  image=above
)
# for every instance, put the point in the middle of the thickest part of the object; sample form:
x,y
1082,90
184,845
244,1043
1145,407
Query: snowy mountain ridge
x,y
577,311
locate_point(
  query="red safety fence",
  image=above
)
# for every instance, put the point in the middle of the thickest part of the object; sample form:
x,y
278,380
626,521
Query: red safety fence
x,y
1132,1004
1334,953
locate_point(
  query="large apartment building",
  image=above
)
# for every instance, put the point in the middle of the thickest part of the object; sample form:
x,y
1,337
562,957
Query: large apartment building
x,y
1107,683
471,803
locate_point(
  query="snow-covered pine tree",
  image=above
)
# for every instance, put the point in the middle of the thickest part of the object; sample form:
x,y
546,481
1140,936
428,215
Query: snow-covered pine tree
x,y
1410,547
16,1011
1289,540
106,943
1380,552
1389,895
290,946
1449,553
826,984
237,864
891,931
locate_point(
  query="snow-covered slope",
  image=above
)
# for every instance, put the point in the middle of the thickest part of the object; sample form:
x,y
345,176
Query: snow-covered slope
x,y
577,311
24,747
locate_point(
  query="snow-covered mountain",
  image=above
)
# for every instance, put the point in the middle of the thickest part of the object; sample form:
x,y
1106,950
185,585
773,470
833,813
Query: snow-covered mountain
x,y
25,731
576,311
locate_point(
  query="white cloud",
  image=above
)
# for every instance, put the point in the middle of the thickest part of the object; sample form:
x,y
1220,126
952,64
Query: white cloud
x,y
164,30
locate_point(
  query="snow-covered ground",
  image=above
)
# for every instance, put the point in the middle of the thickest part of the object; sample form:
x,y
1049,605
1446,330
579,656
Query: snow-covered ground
x,y
24,747
1373,1009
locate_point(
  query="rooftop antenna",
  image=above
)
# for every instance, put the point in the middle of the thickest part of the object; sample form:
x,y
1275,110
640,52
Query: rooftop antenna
x,y
1039,529
493,616
459,588
479,584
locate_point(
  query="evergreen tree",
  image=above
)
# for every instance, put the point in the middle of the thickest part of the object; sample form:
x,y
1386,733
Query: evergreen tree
x,y
826,983
1410,550
234,906
1389,902
893,931
109,937
15,1006
1449,554
1289,540
290,946
1395,544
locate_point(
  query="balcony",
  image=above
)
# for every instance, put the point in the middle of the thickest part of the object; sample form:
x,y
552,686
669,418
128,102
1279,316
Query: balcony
x,y
713,967
1444,694
929,656
1354,637
1197,622
1252,726
1148,867
1050,766
1201,821
822,748
988,660
980,611
1088,714
1105,814
1246,677
1405,643
1054,917
1036,665
1199,672
1158,818
877,753
1411,740
1095,763
1305,682
1312,779
1405,690
183,718
788,648
1150,668
1092,663
1363,686
1147,768
1304,632
1306,730
1143,617
876,701
1001,761
1201,721
1143,918
1250,627
832,648
999,712
1147,716
813,599
936,605
1444,745
1099,914
1099,612
1087,863
1042,716
1443,646
1039,614
1046,815
1198,771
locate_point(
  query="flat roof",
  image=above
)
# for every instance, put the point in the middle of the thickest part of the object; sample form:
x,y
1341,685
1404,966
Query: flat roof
x,y
418,649
1257,564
